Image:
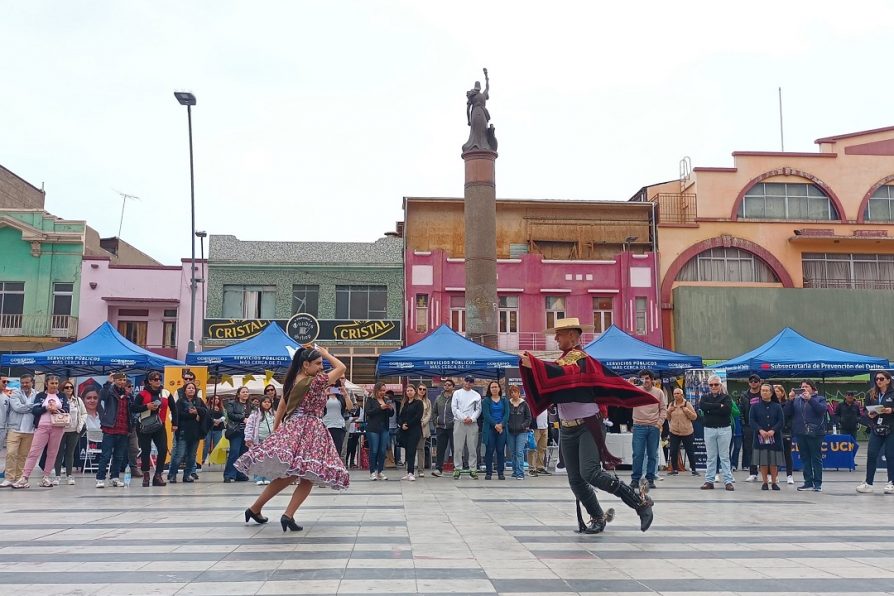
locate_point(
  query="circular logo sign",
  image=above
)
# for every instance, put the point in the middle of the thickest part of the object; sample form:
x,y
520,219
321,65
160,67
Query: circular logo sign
x,y
303,328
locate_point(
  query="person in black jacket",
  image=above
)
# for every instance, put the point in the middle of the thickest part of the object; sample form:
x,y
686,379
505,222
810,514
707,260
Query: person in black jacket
x,y
881,430
519,423
116,422
237,413
378,409
409,422
716,407
148,404
746,400
848,413
191,414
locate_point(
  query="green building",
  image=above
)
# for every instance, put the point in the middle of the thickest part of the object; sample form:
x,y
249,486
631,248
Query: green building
x,y
40,271
353,290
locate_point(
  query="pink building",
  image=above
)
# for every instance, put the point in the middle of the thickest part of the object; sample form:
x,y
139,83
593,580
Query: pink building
x,y
148,304
586,259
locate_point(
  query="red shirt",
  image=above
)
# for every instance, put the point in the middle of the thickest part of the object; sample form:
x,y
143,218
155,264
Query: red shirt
x,y
145,398
121,427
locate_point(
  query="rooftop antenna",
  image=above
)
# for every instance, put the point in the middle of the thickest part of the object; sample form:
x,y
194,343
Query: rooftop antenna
x,y
124,197
781,136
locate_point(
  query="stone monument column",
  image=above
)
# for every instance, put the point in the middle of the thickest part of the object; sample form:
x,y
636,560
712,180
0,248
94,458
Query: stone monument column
x,y
480,215
480,220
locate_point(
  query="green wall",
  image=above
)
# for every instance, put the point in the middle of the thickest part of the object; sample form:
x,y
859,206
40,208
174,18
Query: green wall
x,y
56,263
722,322
327,277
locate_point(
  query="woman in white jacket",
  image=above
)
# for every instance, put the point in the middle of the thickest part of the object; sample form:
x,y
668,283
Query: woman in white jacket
x,y
259,426
72,436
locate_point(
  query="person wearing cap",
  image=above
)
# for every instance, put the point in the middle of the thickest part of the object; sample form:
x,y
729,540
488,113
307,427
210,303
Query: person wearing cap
x,y
848,413
746,400
466,406
116,423
442,413
578,384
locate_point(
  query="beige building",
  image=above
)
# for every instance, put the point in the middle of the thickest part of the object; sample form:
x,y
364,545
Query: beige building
x,y
732,239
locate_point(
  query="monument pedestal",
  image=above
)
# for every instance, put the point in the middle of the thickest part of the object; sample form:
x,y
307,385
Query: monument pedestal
x,y
481,247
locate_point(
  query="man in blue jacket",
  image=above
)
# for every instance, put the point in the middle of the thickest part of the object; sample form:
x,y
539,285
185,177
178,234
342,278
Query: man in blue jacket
x,y
808,414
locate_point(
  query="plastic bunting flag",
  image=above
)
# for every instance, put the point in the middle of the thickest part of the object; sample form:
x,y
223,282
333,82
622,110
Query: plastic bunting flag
x,y
268,376
247,378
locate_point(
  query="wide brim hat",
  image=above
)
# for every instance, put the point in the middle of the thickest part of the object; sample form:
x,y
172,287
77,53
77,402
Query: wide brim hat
x,y
569,323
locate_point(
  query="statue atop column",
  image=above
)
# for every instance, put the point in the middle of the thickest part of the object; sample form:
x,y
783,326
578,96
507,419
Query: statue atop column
x,y
481,136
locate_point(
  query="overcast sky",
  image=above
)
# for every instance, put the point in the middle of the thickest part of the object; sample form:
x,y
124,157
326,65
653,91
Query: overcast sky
x,y
314,119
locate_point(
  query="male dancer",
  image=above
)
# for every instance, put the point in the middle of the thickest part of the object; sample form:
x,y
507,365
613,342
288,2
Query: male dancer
x,y
578,384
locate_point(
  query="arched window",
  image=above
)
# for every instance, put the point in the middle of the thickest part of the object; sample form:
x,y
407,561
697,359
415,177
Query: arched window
x,y
778,200
880,206
727,264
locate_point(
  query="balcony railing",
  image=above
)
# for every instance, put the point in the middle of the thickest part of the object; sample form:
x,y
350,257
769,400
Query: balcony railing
x,y
676,208
533,342
62,326
850,284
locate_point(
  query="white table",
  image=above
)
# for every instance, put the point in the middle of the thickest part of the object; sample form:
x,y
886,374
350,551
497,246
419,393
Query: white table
x,y
621,446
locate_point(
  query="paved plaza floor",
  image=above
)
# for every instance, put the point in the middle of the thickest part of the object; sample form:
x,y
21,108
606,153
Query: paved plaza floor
x,y
438,535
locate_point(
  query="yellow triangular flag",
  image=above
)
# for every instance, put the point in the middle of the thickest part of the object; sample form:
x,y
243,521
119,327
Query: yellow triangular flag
x,y
228,379
268,376
246,379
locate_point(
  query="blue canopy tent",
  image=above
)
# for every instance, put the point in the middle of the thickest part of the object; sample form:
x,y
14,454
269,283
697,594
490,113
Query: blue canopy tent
x,y
271,349
625,354
104,350
444,352
790,354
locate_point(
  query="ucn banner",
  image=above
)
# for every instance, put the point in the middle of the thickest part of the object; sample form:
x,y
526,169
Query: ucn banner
x,y
696,385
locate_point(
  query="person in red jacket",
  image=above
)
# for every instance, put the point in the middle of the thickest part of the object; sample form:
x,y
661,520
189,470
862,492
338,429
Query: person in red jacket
x,y
152,401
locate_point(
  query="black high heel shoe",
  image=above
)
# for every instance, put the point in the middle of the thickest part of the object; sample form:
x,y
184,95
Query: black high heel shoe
x,y
288,523
260,519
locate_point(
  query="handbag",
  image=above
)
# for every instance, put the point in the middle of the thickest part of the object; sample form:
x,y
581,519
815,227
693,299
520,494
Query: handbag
x,y
532,443
150,424
60,419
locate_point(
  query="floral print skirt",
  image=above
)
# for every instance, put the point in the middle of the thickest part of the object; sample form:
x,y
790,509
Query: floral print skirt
x,y
300,448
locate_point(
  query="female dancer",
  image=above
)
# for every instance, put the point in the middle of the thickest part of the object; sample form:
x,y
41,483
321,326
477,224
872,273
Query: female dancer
x,y
300,447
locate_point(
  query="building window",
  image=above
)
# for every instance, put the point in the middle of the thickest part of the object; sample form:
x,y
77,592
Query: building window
x,y
775,200
602,314
881,205
555,309
170,313
421,313
306,299
249,302
169,334
508,314
845,270
641,315
12,307
727,264
458,313
134,331
62,293
361,303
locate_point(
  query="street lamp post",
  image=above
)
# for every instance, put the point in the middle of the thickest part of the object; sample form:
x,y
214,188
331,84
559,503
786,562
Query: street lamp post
x,y
189,100
201,235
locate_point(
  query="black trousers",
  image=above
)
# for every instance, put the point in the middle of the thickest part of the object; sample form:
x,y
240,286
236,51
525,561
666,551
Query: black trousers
x,y
351,455
674,445
445,438
748,450
411,440
160,438
787,451
338,437
584,468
